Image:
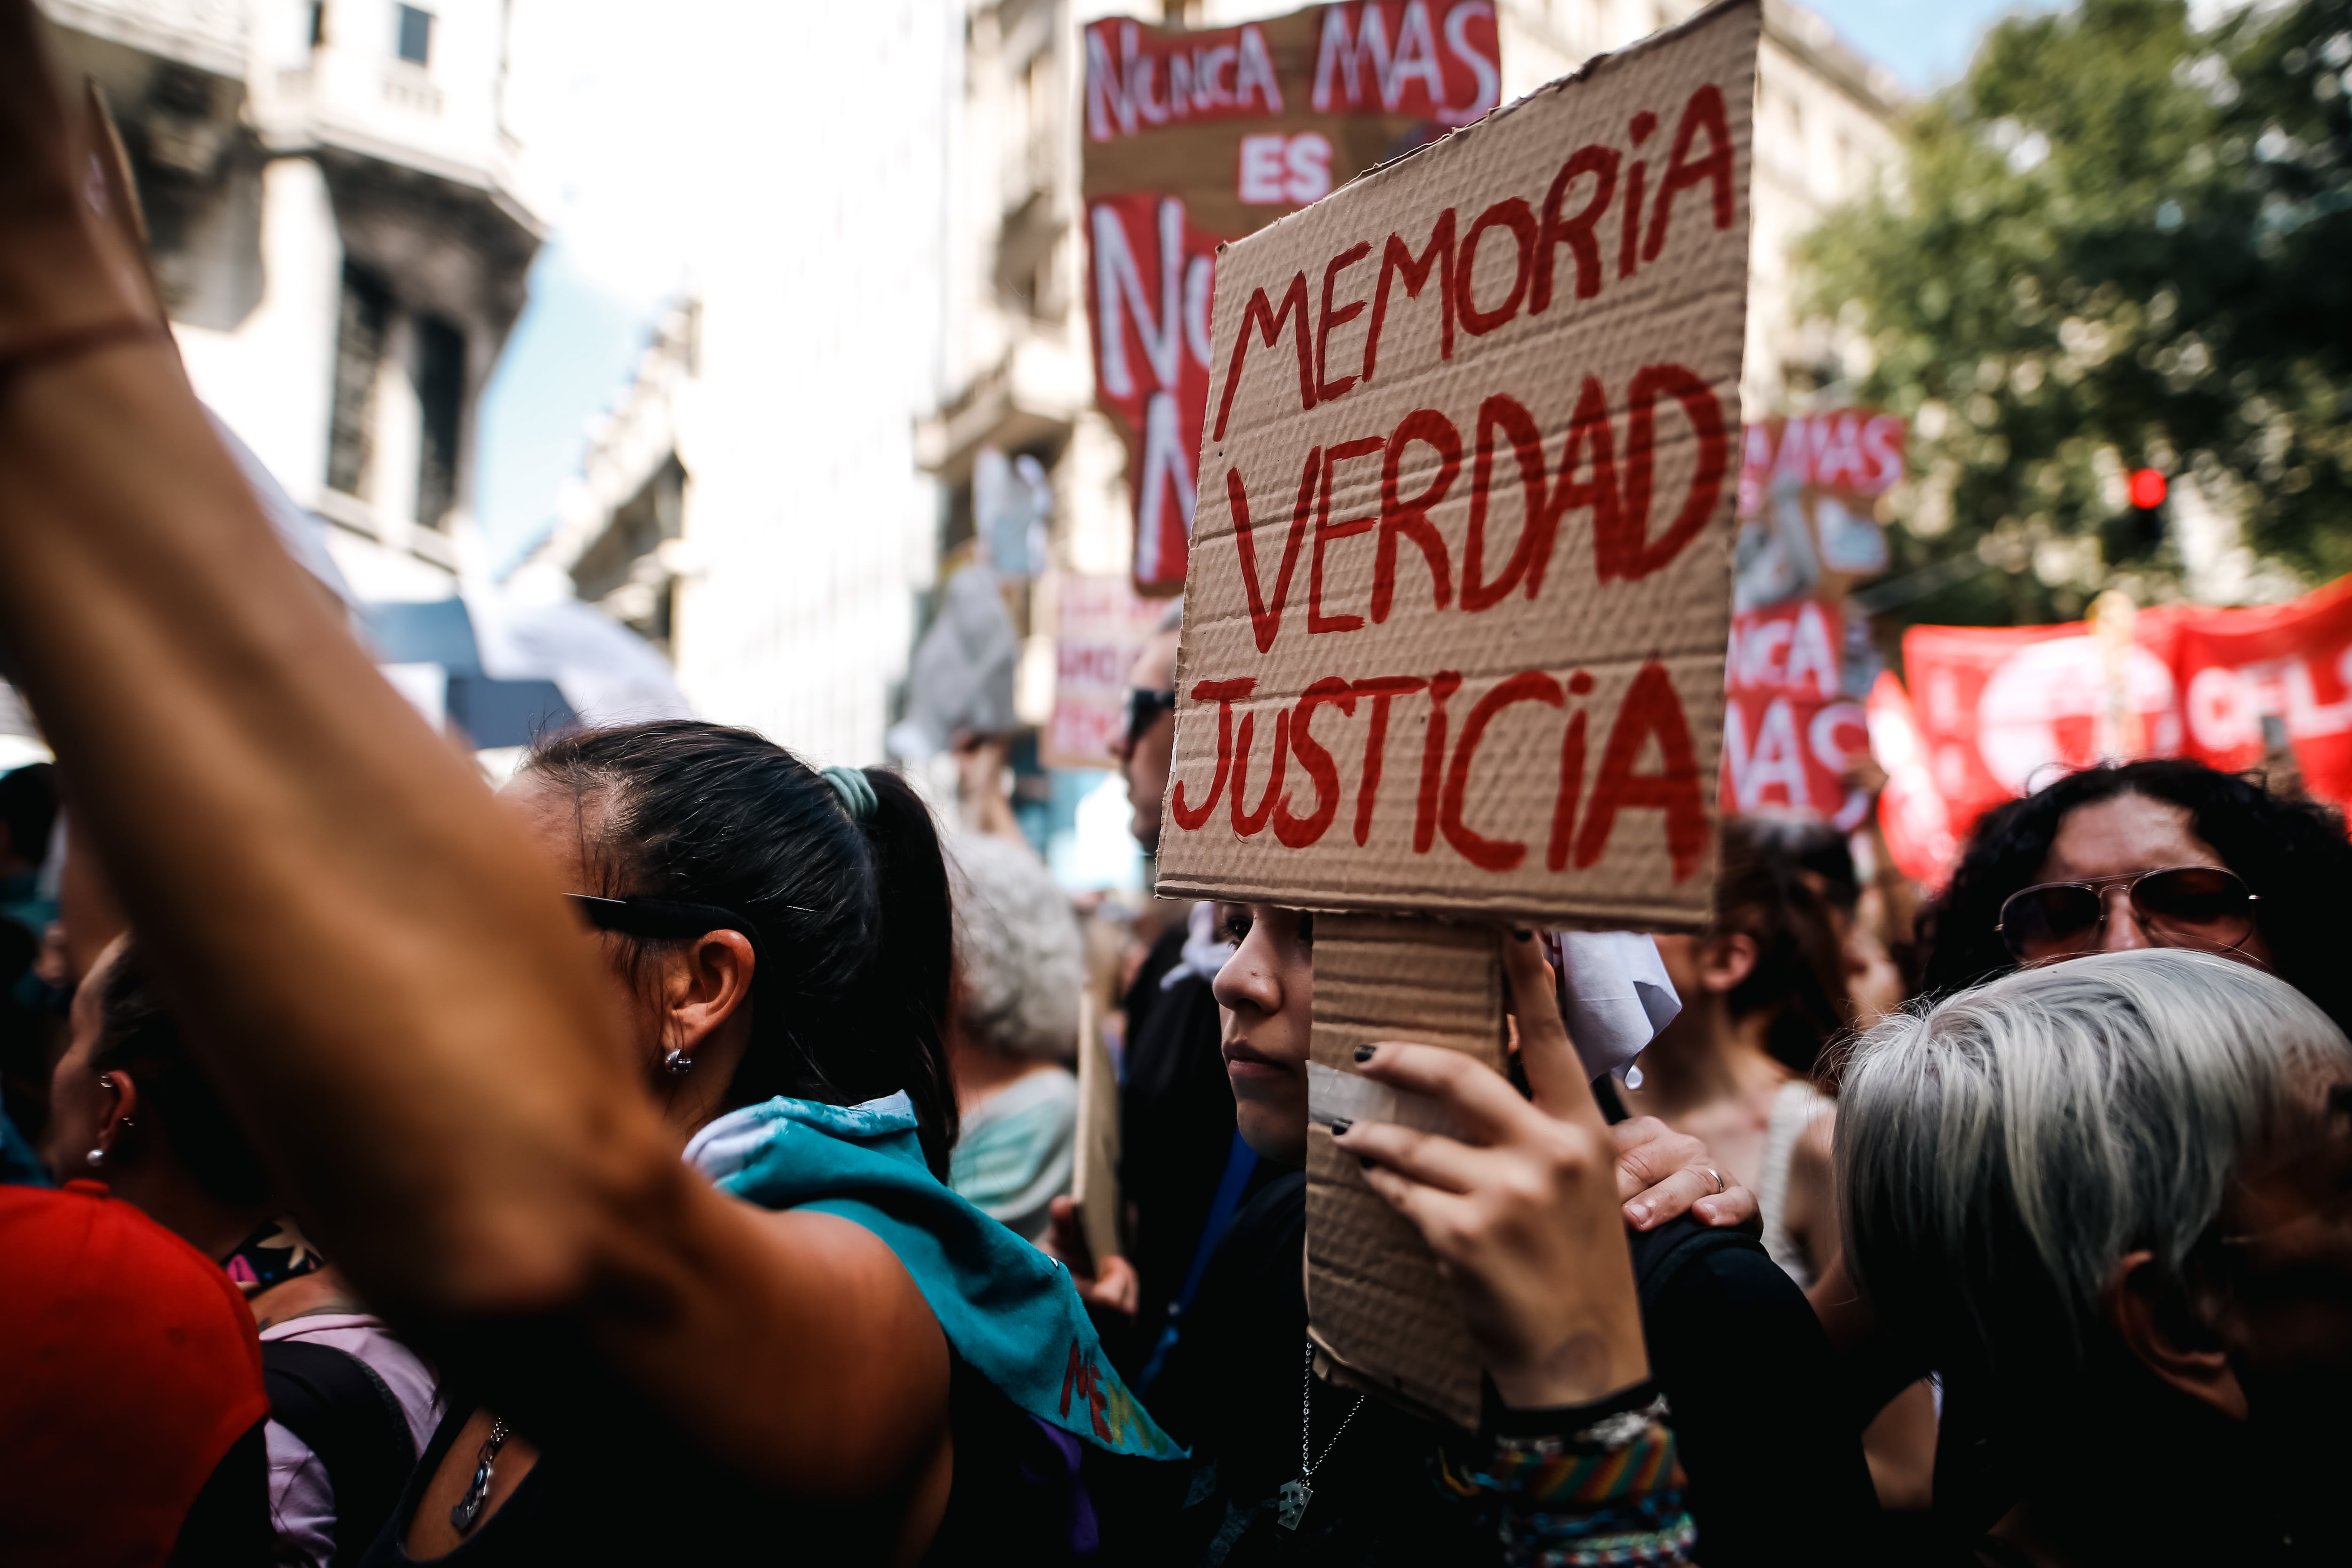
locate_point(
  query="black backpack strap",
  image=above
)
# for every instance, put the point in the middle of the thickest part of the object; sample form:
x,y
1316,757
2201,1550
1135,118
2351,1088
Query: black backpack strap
x,y
348,1414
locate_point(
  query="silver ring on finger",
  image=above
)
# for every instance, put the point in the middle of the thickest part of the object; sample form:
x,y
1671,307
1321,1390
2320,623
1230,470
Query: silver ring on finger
x,y
1720,1185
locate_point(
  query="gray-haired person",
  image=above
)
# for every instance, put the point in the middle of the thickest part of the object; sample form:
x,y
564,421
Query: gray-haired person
x,y
2109,1198
1020,967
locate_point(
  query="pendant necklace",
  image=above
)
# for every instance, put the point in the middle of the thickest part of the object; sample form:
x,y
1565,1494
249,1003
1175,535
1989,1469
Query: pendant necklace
x,y
1298,1494
469,1507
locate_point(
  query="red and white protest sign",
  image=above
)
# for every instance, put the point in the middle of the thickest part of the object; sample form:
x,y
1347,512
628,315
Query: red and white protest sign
x,y
1101,626
1194,138
1788,730
1996,713
1853,452
1809,489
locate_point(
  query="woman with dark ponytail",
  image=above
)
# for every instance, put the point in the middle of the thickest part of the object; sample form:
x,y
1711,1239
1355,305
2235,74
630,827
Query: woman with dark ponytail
x,y
780,941
836,875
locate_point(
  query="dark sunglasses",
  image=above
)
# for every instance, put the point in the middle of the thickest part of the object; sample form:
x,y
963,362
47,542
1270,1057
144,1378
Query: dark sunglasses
x,y
660,916
1144,707
2178,906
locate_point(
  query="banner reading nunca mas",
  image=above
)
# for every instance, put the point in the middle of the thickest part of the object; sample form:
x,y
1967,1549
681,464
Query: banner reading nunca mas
x,y
1192,137
1454,634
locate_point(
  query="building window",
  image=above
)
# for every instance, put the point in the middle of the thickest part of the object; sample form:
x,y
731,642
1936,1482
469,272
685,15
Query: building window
x,y
415,35
439,374
359,354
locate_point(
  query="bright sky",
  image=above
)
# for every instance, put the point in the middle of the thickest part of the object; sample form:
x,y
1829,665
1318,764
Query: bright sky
x,y
626,109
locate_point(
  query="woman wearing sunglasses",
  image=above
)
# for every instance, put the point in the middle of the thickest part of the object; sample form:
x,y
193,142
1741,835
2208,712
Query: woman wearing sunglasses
x,y
2151,854
2158,854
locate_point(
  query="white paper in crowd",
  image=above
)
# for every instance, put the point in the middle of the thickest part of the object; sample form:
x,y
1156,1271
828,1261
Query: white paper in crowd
x,y
961,679
1614,995
1336,1096
607,673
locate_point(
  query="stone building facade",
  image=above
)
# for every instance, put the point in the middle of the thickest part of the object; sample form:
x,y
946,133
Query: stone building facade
x,y
332,202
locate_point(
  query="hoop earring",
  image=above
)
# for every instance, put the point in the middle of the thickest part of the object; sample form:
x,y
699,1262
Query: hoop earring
x,y
678,1064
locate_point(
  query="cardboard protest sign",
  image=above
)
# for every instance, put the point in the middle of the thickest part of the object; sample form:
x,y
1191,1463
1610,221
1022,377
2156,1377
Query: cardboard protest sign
x,y
1455,626
1195,137
1094,1181
1375,1300
1464,517
1101,626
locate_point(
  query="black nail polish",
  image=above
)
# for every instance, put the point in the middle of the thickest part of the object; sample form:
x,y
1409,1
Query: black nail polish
x,y
1339,1125
1521,935
1364,1053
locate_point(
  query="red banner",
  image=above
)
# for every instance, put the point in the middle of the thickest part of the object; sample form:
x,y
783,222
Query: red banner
x,y
1788,731
1996,713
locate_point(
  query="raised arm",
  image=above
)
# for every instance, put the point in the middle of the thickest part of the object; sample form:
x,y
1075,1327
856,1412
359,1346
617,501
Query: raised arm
x,y
372,957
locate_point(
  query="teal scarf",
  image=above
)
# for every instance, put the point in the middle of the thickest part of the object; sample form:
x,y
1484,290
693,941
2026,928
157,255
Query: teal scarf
x,y
1009,1310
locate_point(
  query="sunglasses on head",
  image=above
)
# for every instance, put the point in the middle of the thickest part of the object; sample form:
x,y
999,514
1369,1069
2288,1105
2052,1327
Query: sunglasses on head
x,y
659,917
1144,705
2177,906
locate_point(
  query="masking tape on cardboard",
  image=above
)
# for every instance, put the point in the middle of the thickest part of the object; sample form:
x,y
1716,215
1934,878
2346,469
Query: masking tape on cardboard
x,y
1333,1095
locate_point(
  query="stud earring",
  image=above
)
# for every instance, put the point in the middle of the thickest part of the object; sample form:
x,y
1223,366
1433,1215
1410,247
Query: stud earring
x,y
97,1156
678,1064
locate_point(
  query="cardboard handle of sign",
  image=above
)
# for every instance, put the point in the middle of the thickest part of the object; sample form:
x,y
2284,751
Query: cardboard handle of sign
x,y
1375,1302
1095,1185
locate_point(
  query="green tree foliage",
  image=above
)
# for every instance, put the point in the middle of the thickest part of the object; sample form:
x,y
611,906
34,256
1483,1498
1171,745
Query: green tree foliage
x,y
2120,241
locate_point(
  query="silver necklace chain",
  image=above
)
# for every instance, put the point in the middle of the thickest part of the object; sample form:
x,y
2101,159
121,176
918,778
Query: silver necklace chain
x,y
1306,1421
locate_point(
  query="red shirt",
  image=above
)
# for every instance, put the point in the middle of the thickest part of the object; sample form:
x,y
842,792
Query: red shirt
x,y
129,1365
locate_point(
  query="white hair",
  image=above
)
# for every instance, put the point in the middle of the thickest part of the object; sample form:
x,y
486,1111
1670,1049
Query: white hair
x,y
1020,958
1998,1152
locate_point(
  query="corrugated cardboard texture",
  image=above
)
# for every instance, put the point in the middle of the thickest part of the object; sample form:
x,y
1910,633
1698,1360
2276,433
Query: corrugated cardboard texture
x,y
1374,1297
1094,1183
1581,681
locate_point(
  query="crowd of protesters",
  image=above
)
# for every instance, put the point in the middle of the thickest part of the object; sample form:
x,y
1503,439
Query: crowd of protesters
x,y
675,1155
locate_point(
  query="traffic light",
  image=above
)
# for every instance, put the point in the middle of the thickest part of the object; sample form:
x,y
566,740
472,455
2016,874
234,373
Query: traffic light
x,y
2146,491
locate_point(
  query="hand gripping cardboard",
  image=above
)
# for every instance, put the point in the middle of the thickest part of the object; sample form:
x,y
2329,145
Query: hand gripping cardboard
x,y
1459,581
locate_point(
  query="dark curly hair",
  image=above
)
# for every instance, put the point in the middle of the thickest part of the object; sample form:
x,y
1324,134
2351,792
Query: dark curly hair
x,y
1762,892
852,919
2291,852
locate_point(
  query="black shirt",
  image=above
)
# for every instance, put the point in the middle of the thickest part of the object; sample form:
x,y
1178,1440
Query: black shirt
x,y
1022,1493
1176,1131
1773,1461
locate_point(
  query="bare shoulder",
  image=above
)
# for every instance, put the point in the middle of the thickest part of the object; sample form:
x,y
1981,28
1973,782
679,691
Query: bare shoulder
x,y
864,1278
1810,1161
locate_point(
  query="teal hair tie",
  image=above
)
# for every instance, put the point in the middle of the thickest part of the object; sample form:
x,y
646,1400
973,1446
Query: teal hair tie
x,y
856,792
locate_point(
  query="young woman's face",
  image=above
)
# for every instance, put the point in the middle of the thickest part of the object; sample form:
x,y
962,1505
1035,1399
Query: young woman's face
x,y
1267,991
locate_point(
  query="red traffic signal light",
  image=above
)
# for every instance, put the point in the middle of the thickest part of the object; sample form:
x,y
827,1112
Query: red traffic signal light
x,y
2147,488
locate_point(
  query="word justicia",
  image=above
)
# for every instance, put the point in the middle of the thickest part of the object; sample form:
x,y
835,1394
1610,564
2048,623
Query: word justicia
x,y
1649,720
